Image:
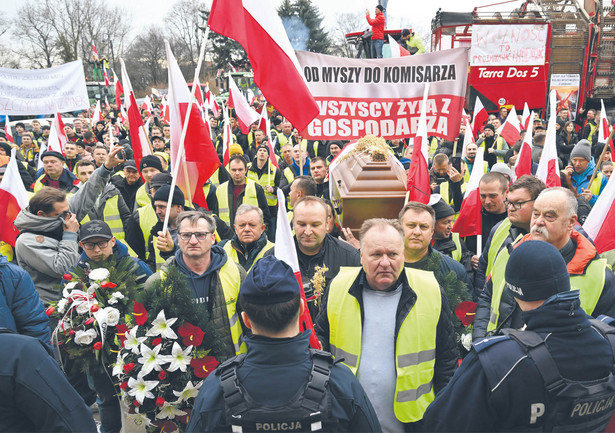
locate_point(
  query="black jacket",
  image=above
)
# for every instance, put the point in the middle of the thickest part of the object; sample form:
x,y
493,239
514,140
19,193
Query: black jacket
x,y
129,192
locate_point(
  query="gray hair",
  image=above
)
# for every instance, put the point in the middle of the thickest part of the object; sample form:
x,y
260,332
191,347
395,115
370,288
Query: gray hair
x,y
572,205
193,216
245,208
380,223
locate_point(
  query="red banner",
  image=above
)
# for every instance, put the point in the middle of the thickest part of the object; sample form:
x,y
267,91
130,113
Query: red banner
x,y
383,97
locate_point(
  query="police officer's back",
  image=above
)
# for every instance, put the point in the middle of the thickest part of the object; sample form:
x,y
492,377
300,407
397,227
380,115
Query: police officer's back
x,y
282,384
554,375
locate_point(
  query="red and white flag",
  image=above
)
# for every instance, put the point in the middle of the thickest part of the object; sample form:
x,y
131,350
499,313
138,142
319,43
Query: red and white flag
x,y
13,198
201,159
470,221
227,138
600,223
285,251
418,185
396,49
211,103
119,90
467,138
511,129
94,51
523,165
264,125
526,118
246,116
603,129
164,110
7,130
548,167
257,27
57,139
233,68
138,137
106,76
147,105
480,117
107,103
96,115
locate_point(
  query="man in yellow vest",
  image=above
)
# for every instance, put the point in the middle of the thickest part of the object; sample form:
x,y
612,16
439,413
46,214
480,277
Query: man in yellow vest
x,y
391,326
263,172
240,190
250,243
286,154
320,173
150,165
449,181
286,137
553,219
213,278
444,240
494,145
55,175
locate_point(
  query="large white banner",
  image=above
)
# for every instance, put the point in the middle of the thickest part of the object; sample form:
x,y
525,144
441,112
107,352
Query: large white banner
x,y
508,44
43,91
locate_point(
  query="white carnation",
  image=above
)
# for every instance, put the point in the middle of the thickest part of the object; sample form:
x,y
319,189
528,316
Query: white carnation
x,y
62,306
117,295
85,337
466,340
99,274
112,301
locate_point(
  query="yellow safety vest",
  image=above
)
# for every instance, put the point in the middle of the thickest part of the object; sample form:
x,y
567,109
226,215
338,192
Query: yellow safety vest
x,y
595,186
147,220
415,348
264,181
467,173
249,197
7,251
111,215
592,128
500,235
232,252
456,253
142,197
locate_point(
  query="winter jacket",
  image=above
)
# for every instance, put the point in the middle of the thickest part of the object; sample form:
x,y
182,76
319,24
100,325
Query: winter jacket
x,y
128,192
580,181
565,145
447,264
21,310
67,181
247,254
44,249
110,191
377,24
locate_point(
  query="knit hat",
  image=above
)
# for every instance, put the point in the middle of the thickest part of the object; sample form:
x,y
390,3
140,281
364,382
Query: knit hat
x,y
95,229
263,146
270,281
151,161
536,271
583,149
275,121
53,153
7,147
162,194
405,32
442,209
489,126
235,149
501,167
380,7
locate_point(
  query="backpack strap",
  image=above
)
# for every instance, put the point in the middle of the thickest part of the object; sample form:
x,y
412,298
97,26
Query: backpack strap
x,y
604,325
233,394
319,378
534,345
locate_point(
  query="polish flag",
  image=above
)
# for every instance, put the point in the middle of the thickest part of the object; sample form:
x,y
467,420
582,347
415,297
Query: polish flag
x,y
246,116
147,105
264,125
470,221
96,115
467,138
233,68
397,50
511,129
138,137
7,130
106,76
164,110
285,251
603,129
57,139
201,159
418,184
257,27
211,103
107,103
523,165
227,138
548,167
198,94
94,51
119,90
526,118
480,117
13,198
600,223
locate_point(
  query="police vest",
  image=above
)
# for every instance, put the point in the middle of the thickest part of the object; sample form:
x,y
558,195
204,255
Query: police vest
x,y
231,252
415,348
500,235
249,197
305,412
589,284
142,197
111,215
267,179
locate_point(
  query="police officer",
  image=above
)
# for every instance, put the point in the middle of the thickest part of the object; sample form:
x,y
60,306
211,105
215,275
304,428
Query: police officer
x,y
523,381
277,367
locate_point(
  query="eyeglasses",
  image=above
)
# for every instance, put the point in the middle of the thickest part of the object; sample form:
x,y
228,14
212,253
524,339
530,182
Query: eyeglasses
x,y
200,236
92,245
516,205
65,214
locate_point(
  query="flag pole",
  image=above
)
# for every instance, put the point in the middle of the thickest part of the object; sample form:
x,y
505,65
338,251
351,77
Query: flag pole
x,y
604,149
180,151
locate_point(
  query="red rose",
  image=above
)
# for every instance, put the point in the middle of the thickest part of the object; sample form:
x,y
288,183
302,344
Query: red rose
x,y
140,313
203,366
108,285
98,345
89,321
192,335
124,385
50,310
71,332
94,308
160,402
136,403
162,375
156,341
466,311
67,277
128,367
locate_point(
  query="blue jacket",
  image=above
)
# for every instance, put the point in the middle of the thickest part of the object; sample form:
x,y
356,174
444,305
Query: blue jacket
x,y
497,383
34,393
581,181
21,310
273,371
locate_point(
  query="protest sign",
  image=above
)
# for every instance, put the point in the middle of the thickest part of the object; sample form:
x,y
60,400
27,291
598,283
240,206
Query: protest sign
x,y
43,91
383,96
509,45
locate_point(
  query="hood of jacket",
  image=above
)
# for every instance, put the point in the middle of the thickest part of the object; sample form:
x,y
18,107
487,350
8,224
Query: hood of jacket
x,y
578,178
26,221
218,259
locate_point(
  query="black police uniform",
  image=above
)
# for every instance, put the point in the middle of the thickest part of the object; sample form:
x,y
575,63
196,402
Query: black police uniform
x,y
274,374
499,386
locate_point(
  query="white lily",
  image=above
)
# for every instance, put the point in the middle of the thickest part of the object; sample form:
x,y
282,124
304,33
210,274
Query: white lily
x,y
118,366
168,411
150,359
178,358
140,388
189,391
133,342
139,419
161,326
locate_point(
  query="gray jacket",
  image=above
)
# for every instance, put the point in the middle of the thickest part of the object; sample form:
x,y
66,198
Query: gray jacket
x,y
98,210
43,249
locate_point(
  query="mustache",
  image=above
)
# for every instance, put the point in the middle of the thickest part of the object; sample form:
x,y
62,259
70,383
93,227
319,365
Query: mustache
x,y
537,230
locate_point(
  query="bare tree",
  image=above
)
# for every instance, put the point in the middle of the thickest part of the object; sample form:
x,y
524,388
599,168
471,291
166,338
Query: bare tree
x,y
145,57
183,25
347,22
36,35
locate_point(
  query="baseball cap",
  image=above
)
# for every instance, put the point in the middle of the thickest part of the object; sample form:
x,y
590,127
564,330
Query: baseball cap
x,y
95,229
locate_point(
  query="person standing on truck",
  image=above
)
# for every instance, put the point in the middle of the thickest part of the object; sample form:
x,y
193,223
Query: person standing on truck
x,y
377,31
414,43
